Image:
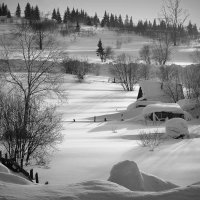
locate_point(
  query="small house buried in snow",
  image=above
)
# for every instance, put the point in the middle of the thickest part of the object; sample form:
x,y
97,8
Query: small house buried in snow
x,y
157,104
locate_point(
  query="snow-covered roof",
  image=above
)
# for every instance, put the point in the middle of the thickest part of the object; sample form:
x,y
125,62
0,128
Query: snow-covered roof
x,y
151,88
162,107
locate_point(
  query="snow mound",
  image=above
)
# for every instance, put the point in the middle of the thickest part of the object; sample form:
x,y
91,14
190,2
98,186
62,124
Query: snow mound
x,y
4,169
11,178
176,127
127,174
152,183
162,107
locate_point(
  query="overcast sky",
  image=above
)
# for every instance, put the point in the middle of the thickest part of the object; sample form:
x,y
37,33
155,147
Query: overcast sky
x,y
138,9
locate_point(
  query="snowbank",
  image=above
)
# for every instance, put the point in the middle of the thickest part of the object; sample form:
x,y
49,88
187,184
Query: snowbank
x,y
176,127
162,107
93,190
11,178
4,169
127,174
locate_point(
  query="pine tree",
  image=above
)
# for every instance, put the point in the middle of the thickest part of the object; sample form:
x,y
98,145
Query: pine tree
x,y
120,22
8,14
36,13
18,11
54,15
59,19
100,51
73,15
27,11
96,20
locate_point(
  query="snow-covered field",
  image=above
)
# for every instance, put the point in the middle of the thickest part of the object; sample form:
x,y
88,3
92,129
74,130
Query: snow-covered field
x,y
90,149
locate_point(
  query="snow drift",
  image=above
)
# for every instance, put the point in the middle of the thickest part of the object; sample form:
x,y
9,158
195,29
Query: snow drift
x,y
127,174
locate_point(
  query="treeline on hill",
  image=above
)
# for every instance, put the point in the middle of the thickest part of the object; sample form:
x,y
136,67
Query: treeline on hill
x,y
112,21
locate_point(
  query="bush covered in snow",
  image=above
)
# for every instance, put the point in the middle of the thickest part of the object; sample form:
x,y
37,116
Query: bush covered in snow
x,y
177,128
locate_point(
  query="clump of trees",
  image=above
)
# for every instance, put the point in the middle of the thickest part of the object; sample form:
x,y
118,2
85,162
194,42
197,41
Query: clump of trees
x,y
4,11
104,54
76,67
31,13
125,71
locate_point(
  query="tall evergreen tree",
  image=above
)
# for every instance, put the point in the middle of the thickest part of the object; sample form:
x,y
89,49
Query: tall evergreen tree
x,y
36,13
54,15
8,14
18,11
27,11
100,51
58,16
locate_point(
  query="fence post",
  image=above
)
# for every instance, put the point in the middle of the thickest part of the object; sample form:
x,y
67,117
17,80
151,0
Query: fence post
x,y
31,173
6,156
0,155
94,118
36,178
105,119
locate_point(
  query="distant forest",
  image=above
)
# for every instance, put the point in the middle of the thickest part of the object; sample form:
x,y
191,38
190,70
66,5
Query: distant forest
x,y
76,17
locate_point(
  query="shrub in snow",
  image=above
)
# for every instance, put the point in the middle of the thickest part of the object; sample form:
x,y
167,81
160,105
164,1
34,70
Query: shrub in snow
x,y
127,174
177,128
149,139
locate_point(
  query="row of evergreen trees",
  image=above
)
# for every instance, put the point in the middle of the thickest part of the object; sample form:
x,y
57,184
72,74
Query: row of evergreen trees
x,y
148,28
74,16
4,11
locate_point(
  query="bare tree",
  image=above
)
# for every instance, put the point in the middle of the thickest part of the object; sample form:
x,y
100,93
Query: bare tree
x,y
145,54
161,49
79,68
43,30
42,131
174,15
126,72
170,77
191,81
38,75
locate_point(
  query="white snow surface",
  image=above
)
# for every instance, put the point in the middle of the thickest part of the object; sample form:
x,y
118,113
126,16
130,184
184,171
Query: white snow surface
x,y
176,127
11,178
159,107
127,174
92,190
4,169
